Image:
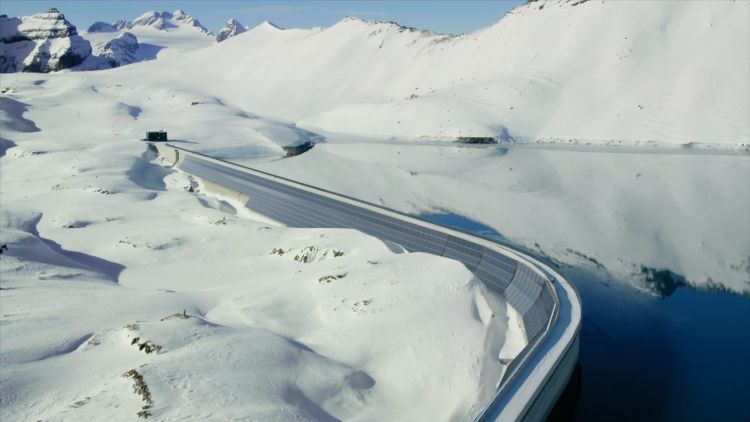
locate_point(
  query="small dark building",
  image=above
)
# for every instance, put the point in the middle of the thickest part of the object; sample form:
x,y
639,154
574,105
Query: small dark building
x,y
160,136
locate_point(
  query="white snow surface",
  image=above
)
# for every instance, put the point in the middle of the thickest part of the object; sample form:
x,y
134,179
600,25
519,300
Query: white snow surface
x,y
105,249
602,72
664,72
104,243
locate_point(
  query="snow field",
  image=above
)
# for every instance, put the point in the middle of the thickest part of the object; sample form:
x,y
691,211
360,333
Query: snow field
x,y
105,246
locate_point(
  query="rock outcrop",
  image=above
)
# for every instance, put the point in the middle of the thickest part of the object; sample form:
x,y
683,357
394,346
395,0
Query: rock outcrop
x,y
230,29
121,50
102,27
43,42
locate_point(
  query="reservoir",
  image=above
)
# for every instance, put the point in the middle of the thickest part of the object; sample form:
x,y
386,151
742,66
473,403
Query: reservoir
x,y
684,356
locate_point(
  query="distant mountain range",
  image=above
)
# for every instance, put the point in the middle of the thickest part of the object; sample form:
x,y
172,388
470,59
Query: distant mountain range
x,y
47,42
153,19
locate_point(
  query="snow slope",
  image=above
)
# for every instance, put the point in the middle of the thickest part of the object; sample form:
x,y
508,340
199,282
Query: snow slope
x,y
664,72
127,288
105,248
604,72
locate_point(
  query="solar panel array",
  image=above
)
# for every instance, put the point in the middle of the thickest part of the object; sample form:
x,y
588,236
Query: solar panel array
x,y
302,206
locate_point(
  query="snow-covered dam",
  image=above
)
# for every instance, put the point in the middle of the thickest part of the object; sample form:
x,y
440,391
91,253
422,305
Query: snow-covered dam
x,y
548,304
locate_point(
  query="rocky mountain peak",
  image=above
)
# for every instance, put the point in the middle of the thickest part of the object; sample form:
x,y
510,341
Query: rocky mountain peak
x,y
51,24
230,29
152,18
42,42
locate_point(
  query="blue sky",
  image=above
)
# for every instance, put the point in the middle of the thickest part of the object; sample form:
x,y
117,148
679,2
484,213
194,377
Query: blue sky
x,y
452,17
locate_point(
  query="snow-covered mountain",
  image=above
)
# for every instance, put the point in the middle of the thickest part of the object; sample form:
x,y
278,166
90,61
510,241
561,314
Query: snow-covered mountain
x,y
166,20
48,42
158,34
157,20
121,50
539,74
230,29
40,43
100,26
172,275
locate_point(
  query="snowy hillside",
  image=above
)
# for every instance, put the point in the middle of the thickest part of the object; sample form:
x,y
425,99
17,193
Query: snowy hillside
x,y
597,72
540,74
144,294
129,288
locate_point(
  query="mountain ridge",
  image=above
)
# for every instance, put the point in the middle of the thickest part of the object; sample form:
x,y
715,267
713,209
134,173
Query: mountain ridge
x,y
158,20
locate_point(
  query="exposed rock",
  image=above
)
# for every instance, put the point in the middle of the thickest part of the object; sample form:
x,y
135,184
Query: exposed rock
x,y
293,150
41,26
476,140
121,50
40,43
230,29
102,27
120,24
158,20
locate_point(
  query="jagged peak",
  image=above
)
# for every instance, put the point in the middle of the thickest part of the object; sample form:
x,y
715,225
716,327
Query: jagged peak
x,y
120,24
39,26
148,14
231,28
163,20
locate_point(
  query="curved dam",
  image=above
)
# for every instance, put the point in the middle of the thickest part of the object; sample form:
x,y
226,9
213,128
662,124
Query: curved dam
x,y
547,303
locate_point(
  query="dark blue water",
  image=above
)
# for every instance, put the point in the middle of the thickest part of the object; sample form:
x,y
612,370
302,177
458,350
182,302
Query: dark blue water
x,y
683,357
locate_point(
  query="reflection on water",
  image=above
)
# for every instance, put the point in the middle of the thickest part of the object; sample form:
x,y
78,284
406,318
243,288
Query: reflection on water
x,y
681,356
